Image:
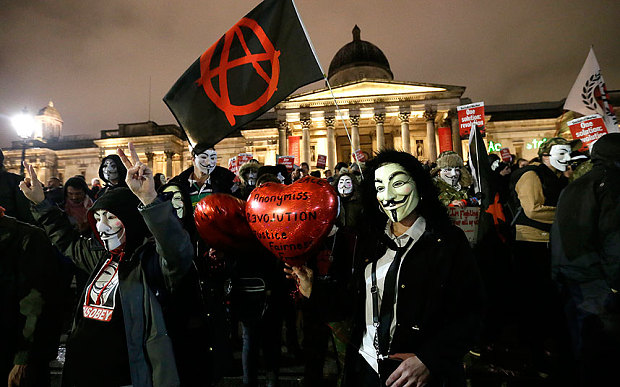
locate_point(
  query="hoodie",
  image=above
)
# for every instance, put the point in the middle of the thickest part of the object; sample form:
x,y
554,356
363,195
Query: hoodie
x,y
124,204
122,174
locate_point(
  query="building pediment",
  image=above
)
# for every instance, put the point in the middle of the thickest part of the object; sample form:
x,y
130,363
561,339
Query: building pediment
x,y
372,91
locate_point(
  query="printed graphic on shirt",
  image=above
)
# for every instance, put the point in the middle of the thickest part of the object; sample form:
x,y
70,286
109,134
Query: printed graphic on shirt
x,y
100,296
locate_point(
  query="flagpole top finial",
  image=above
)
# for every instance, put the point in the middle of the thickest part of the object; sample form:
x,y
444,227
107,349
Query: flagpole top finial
x,y
356,33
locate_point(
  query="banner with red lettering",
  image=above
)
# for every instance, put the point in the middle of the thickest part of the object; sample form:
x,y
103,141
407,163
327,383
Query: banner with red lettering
x,y
468,115
587,129
445,139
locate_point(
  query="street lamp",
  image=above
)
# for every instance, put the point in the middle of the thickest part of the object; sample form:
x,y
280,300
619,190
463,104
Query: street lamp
x,y
24,125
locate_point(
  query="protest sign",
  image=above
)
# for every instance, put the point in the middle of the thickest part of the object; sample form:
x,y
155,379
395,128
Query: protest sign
x,y
321,161
467,219
287,161
468,115
588,129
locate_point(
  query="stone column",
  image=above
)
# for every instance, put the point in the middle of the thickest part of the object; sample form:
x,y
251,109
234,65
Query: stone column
x,y
429,115
149,158
355,132
282,138
404,131
379,121
456,136
332,159
169,155
305,138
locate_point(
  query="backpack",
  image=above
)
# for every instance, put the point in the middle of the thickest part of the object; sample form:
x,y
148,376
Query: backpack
x,y
514,205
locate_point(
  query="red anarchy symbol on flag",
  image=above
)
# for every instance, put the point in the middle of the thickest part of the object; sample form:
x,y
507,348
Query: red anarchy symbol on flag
x,y
222,100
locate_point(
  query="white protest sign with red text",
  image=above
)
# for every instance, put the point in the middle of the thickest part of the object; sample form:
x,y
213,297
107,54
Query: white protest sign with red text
x,y
468,115
587,129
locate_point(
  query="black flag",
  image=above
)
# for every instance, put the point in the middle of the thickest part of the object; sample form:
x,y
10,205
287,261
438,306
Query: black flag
x,y
260,61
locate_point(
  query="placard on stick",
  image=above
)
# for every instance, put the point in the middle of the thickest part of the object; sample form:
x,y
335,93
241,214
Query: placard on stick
x,y
588,129
468,115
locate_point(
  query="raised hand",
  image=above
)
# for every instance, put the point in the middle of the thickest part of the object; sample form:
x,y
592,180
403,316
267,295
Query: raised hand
x,y
139,176
31,186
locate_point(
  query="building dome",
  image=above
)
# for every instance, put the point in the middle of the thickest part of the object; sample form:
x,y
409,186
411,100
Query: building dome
x,y
50,111
358,60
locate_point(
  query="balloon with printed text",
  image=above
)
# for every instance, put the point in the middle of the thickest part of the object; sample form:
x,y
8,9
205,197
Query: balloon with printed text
x,y
220,220
292,220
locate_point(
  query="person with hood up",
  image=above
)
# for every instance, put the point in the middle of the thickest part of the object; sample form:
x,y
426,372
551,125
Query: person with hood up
x,y
248,174
112,172
452,180
585,246
119,336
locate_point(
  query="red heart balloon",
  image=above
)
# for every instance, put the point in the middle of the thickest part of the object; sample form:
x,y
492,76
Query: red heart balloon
x,y
220,220
290,220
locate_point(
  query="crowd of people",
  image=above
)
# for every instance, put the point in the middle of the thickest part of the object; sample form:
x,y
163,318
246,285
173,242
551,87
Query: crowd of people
x,y
400,292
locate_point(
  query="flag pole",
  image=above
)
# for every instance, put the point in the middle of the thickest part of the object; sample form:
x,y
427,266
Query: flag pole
x,y
316,58
475,129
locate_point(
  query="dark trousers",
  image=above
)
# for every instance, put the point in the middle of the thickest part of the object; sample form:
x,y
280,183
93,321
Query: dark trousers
x,y
358,373
266,333
541,318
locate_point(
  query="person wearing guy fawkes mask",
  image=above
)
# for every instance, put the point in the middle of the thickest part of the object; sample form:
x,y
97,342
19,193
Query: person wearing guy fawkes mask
x,y
196,315
537,188
348,189
416,299
205,177
248,174
119,335
452,180
112,172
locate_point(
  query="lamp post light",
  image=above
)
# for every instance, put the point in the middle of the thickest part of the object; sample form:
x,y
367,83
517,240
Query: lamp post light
x,y
24,125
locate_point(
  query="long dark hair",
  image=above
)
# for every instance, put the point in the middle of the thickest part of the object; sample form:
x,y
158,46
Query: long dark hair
x,y
429,207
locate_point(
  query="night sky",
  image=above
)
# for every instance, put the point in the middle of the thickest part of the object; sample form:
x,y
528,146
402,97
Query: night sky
x,y
94,58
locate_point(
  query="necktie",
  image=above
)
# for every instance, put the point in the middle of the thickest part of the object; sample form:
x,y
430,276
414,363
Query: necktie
x,y
387,300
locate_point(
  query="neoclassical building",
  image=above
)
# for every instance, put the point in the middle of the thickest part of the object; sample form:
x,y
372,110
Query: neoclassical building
x,y
372,111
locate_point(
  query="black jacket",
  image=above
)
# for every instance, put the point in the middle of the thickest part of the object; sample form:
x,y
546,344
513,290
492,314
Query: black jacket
x,y
440,298
12,199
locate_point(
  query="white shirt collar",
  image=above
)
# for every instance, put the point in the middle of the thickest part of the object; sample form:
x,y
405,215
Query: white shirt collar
x,y
415,231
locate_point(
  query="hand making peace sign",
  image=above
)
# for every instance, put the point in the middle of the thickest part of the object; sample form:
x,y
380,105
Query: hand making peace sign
x,y
31,186
139,176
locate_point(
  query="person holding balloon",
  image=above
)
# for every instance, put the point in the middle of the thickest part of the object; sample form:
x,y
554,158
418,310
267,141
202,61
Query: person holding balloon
x,y
415,294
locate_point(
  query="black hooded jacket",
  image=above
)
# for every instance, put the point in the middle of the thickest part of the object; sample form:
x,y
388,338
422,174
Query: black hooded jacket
x,y
122,174
585,238
148,264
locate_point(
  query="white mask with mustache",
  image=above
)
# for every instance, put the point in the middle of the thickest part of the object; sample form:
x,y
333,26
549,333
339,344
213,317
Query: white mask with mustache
x,y
397,193
177,200
206,161
110,228
110,171
559,157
